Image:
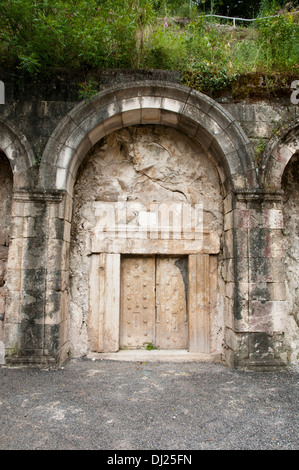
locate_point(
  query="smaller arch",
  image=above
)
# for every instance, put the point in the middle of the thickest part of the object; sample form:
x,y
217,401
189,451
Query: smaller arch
x,y
18,151
277,155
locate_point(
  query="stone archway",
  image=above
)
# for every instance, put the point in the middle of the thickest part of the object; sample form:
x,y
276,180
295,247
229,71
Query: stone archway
x,y
277,154
193,114
145,103
18,151
40,329
16,161
249,245
280,181
290,187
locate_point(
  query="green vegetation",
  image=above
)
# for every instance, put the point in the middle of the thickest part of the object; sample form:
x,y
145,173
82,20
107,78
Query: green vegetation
x,y
150,347
40,34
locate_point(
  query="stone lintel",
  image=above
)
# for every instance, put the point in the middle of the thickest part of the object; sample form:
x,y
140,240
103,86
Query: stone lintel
x,y
209,245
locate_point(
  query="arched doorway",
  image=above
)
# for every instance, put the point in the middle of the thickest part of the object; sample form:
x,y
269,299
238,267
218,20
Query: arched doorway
x,y
16,160
280,166
6,186
290,187
146,283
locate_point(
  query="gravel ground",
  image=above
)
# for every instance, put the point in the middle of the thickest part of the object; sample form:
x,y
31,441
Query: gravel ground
x,y
116,405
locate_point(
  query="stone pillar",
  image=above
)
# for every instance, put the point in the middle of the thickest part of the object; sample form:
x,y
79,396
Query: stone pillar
x,y
199,303
104,302
32,323
257,330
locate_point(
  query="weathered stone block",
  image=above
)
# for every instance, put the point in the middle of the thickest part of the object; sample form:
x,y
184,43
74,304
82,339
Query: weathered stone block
x,y
150,116
169,119
32,337
113,124
261,291
228,221
260,346
241,273
51,340
273,218
53,307
131,118
267,316
189,127
278,291
228,203
260,270
96,133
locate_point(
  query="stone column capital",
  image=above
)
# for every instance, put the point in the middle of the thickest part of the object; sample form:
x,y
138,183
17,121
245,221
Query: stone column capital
x,y
38,195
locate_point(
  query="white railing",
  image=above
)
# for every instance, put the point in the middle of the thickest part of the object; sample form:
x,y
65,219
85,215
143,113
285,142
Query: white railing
x,y
240,19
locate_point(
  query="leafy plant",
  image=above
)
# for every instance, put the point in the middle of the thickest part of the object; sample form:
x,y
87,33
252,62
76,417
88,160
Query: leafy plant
x,y
150,346
278,39
70,33
165,48
88,90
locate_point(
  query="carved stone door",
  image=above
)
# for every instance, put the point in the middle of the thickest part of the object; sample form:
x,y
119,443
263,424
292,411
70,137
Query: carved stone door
x,y
171,303
154,302
137,314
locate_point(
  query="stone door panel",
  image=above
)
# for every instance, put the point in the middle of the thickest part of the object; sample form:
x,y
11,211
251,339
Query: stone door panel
x,y
137,321
154,302
171,304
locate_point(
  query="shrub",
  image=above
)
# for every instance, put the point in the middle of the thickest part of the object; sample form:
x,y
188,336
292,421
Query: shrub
x,y
278,40
165,48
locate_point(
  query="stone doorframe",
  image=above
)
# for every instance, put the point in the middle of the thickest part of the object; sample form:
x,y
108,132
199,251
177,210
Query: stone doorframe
x,y
167,229
104,301
105,289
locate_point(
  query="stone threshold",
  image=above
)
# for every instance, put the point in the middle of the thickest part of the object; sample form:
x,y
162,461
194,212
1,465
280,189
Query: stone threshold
x,y
141,355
